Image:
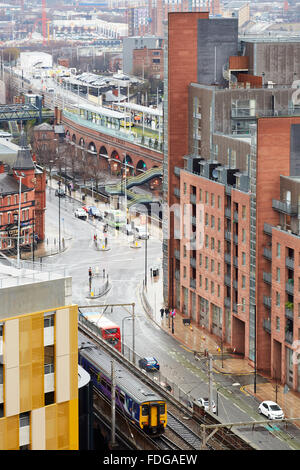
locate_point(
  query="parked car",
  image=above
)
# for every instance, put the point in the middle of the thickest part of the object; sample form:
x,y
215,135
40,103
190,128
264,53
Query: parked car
x,y
271,410
140,232
95,212
80,213
127,229
204,402
149,363
60,192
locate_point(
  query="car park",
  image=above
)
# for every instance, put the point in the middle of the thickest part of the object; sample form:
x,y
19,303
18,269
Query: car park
x,y
140,232
271,410
60,192
204,403
80,213
149,364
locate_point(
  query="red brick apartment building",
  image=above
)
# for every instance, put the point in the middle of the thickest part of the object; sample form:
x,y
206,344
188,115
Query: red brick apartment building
x,y
148,63
33,198
232,181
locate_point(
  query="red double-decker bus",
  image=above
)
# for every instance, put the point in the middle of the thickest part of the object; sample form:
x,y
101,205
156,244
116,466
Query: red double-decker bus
x,y
109,330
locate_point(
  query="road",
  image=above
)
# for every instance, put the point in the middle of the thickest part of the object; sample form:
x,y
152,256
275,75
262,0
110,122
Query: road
x,y
126,269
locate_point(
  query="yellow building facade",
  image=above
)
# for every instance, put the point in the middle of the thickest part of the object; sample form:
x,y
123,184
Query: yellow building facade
x,y
39,389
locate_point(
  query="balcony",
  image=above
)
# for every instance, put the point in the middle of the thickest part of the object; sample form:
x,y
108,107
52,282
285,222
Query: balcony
x,y
267,325
235,239
227,235
284,207
289,337
267,301
228,212
289,286
236,261
177,192
234,307
267,277
235,284
193,220
193,262
227,280
177,275
268,229
289,262
177,254
289,313
193,283
235,216
227,302
177,170
267,253
227,257
193,198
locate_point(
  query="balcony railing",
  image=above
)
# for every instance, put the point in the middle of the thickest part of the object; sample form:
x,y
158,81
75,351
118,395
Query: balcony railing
x,y
289,262
227,280
177,254
227,235
235,239
235,284
267,253
236,261
235,216
227,302
289,287
267,325
193,198
227,257
267,301
289,313
193,283
268,228
289,337
193,262
267,277
177,275
228,212
284,207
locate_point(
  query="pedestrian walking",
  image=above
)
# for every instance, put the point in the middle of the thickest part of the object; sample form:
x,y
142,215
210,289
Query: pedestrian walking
x,y
173,313
167,312
90,272
162,311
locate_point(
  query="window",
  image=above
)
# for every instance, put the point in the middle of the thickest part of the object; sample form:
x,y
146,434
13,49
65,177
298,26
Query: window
x,y
212,287
184,251
219,224
219,291
206,262
277,323
243,305
206,241
25,197
219,269
243,235
277,299
219,202
200,194
206,219
212,243
278,274
184,271
206,284
200,280
206,197
212,221
200,259
243,212
184,188
243,258
243,281
278,250
8,200
212,266
212,199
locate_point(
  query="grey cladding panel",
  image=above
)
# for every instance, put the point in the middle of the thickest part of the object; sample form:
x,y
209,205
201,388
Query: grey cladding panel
x,y
217,40
295,150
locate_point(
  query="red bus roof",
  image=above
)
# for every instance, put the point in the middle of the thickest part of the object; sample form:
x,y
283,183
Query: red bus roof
x,y
100,320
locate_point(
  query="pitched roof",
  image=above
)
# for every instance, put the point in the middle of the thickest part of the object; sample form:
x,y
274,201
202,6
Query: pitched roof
x,y
24,160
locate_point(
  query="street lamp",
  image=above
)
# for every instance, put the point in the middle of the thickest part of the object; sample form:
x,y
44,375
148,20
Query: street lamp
x,y
20,176
123,333
255,346
59,183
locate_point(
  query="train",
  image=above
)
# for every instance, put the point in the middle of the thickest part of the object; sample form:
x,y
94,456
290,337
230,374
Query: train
x,y
134,399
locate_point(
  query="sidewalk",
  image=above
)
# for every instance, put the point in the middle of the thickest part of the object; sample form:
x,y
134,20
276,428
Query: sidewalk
x,y
195,338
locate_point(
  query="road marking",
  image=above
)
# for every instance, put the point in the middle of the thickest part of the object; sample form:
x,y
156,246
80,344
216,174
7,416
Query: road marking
x,y
246,393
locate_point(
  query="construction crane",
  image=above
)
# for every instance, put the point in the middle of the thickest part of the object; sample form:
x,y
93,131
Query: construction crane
x,y
44,24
